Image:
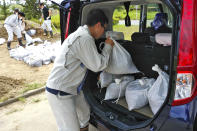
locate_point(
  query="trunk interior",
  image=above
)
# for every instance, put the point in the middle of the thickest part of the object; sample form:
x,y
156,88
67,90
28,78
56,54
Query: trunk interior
x,y
144,56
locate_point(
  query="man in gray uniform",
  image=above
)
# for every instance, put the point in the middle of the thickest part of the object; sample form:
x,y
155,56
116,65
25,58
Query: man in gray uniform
x,y
77,54
12,25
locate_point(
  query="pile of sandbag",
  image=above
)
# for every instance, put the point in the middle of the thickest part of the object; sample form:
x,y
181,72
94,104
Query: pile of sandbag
x,y
39,55
138,93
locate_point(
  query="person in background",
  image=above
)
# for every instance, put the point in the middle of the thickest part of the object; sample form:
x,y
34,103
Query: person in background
x,y
12,25
16,10
77,54
46,14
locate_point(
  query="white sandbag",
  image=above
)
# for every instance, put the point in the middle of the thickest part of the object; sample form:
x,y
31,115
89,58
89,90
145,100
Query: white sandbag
x,y
105,79
158,92
117,89
136,93
115,35
37,40
31,32
120,61
35,62
29,40
18,53
2,40
163,39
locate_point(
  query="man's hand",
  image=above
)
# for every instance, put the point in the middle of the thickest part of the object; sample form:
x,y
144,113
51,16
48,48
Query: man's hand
x,y
109,41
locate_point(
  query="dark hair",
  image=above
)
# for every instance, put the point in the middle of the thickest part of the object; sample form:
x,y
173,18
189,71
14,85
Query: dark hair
x,y
95,16
16,10
41,4
21,14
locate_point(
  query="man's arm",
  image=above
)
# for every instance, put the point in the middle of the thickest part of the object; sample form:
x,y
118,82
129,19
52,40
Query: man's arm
x,y
87,52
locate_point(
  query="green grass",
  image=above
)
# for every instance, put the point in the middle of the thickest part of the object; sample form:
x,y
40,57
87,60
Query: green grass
x,y
36,100
32,87
22,99
128,31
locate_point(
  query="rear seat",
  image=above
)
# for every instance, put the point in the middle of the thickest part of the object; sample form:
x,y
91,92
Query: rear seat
x,y
146,55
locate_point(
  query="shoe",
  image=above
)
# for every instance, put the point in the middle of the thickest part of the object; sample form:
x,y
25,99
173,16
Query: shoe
x,y
8,48
84,129
8,45
45,33
20,42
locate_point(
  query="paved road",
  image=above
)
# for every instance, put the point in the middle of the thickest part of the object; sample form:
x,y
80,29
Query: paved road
x,y
32,115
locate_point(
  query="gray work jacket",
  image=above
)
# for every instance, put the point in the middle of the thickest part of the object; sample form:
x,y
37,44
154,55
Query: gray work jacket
x,y
79,48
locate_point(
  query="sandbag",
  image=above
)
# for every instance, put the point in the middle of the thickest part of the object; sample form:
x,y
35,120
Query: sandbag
x,y
117,89
105,79
120,61
2,40
158,92
136,93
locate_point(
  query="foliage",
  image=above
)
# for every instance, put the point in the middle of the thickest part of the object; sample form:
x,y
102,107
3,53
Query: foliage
x,y
4,10
55,19
14,6
32,87
120,13
31,9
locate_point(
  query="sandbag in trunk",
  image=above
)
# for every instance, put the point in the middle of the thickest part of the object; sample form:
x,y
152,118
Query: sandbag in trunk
x,y
120,61
158,92
136,93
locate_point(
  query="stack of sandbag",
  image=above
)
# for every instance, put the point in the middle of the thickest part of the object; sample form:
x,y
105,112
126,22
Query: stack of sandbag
x,y
19,53
42,54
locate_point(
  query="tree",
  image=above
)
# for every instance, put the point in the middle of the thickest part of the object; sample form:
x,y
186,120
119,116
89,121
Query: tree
x,y
4,9
31,9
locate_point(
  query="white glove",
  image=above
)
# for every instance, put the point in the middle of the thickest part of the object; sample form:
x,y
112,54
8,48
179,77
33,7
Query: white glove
x,y
48,18
40,19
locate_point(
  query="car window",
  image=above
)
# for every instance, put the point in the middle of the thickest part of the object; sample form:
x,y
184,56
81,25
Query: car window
x,y
152,10
119,15
166,10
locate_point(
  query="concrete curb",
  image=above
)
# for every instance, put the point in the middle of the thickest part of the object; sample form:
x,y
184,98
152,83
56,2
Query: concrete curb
x,y
30,93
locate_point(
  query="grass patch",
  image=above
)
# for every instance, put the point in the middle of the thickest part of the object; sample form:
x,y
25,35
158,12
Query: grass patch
x,y
32,87
36,100
22,99
128,31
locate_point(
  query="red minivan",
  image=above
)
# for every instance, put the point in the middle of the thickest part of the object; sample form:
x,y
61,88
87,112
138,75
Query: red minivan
x,y
178,60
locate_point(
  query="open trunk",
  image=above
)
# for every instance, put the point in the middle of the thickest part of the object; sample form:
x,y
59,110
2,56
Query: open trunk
x,y
145,54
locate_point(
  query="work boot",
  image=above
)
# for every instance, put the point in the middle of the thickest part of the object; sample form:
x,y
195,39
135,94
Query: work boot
x,y
45,32
20,42
51,33
8,45
84,129
24,37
